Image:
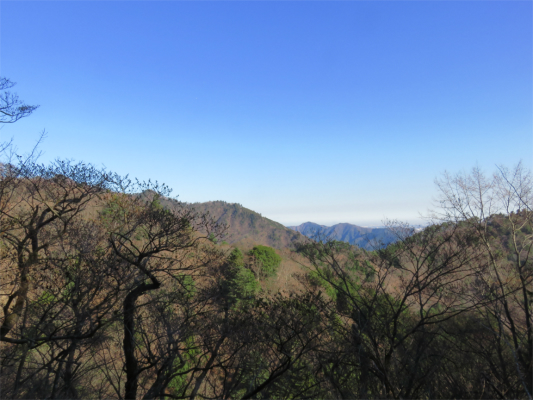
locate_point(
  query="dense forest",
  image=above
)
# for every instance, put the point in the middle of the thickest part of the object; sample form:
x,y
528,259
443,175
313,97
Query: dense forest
x,y
108,289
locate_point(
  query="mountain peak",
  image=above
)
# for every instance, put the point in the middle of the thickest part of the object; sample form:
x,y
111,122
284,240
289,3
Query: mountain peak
x,y
367,238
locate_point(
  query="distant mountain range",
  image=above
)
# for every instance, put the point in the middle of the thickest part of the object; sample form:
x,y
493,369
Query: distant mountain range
x,y
367,238
247,228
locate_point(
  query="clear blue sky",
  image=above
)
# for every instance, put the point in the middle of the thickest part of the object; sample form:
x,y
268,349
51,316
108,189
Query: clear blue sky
x,y
303,111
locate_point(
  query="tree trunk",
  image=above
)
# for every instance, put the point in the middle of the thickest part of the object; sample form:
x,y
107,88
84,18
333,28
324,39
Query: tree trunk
x,y
130,366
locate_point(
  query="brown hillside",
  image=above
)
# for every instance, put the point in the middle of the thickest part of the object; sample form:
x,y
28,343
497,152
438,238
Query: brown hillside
x,y
247,228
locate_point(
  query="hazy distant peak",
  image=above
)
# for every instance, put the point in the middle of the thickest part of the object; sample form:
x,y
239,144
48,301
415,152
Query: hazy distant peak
x,y
368,238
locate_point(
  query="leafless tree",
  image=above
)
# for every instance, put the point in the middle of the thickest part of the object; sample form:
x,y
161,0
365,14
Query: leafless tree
x,y
11,107
498,210
392,303
158,244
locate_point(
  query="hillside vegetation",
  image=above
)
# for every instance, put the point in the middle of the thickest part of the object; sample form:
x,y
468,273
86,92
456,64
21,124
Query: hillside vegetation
x,y
106,293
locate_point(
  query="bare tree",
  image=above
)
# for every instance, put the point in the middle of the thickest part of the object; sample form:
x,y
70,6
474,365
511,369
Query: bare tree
x,y
11,107
392,303
40,204
158,244
57,287
498,210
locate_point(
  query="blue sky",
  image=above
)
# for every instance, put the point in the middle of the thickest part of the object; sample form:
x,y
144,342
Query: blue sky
x,y
303,111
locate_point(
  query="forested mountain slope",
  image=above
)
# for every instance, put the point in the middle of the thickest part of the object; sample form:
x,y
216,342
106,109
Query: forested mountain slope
x,y
246,227
106,294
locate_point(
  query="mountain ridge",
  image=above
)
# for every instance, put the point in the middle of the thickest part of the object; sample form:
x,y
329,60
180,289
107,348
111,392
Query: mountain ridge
x,y
246,227
364,237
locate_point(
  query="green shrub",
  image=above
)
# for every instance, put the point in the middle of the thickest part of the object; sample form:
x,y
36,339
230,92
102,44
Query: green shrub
x,y
239,283
267,259
235,258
